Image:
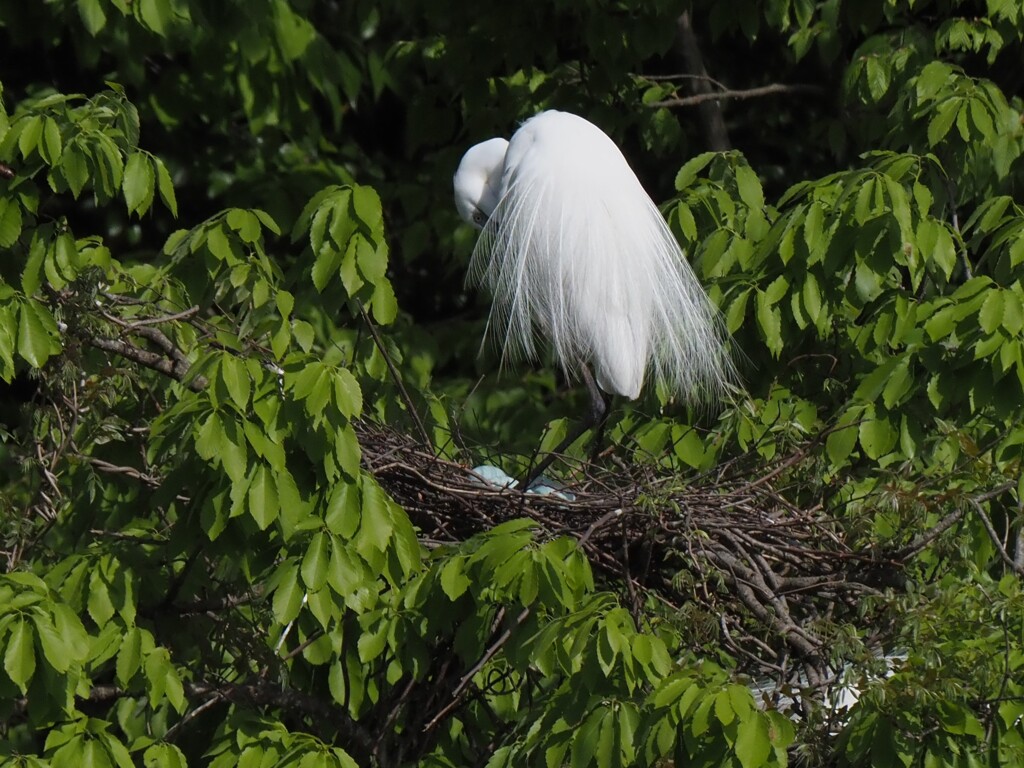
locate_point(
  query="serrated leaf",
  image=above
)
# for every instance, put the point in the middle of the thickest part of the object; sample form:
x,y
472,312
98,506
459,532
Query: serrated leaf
x,y
31,132
737,311
687,224
287,595
100,606
367,208
137,183
347,393
328,259
75,169
236,379
10,222
769,319
375,526
372,261
20,657
749,187
343,510
692,167
383,303
165,186
990,317
940,124
57,650
266,220
51,146
245,223
37,332
129,656
263,504
315,561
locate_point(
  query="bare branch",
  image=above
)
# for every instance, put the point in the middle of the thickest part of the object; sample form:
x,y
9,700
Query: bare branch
x,y
748,93
176,366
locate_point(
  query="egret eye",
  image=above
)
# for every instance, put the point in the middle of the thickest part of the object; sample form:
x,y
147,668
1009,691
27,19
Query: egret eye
x,y
479,217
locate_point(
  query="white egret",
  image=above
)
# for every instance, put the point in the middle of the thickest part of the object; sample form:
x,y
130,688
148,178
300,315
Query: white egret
x,y
572,247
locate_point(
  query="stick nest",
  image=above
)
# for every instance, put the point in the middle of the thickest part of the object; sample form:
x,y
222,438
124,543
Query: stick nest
x,y
759,568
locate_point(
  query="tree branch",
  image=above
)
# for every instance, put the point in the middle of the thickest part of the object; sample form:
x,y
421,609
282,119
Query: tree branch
x,y
746,93
175,364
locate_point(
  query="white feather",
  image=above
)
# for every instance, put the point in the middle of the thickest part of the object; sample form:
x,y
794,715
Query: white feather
x,y
574,248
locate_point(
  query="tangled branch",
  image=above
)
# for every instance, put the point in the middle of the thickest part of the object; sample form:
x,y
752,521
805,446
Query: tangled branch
x,y
772,575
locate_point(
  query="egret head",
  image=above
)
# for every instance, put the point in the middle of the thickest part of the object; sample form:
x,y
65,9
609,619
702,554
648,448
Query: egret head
x,y
478,181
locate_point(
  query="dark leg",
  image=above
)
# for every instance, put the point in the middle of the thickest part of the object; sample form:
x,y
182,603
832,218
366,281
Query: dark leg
x,y
595,416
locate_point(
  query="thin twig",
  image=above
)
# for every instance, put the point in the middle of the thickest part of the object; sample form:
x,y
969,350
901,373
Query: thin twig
x,y
747,93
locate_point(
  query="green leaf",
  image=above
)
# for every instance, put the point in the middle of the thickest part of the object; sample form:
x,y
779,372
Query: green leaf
x,y
383,303
51,146
10,222
366,205
263,504
347,393
585,740
343,510
165,186
376,525
811,295
723,708
315,562
37,334
137,183
155,14
129,656
689,171
164,755
898,384
325,266
454,581
92,15
841,440
76,170
749,187
753,744
689,447
287,595
940,124
31,132
20,657
737,311
877,437
232,451
769,319
100,606
235,376
346,448
991,315
245,223
57,650
294,32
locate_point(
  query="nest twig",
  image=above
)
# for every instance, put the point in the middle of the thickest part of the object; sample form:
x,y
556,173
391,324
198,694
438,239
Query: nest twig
x,y
770,577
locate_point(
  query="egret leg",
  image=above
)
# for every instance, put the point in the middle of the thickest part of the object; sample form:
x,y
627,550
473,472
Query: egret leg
x,y
595,416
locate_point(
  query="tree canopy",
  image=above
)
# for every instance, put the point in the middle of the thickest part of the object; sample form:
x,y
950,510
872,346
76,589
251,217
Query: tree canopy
x,y
242,392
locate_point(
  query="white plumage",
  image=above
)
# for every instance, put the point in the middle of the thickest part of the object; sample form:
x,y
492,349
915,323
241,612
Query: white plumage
x,y
573,247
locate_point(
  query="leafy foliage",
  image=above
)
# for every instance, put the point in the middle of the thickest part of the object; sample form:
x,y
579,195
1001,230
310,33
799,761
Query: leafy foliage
x,y
227,249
